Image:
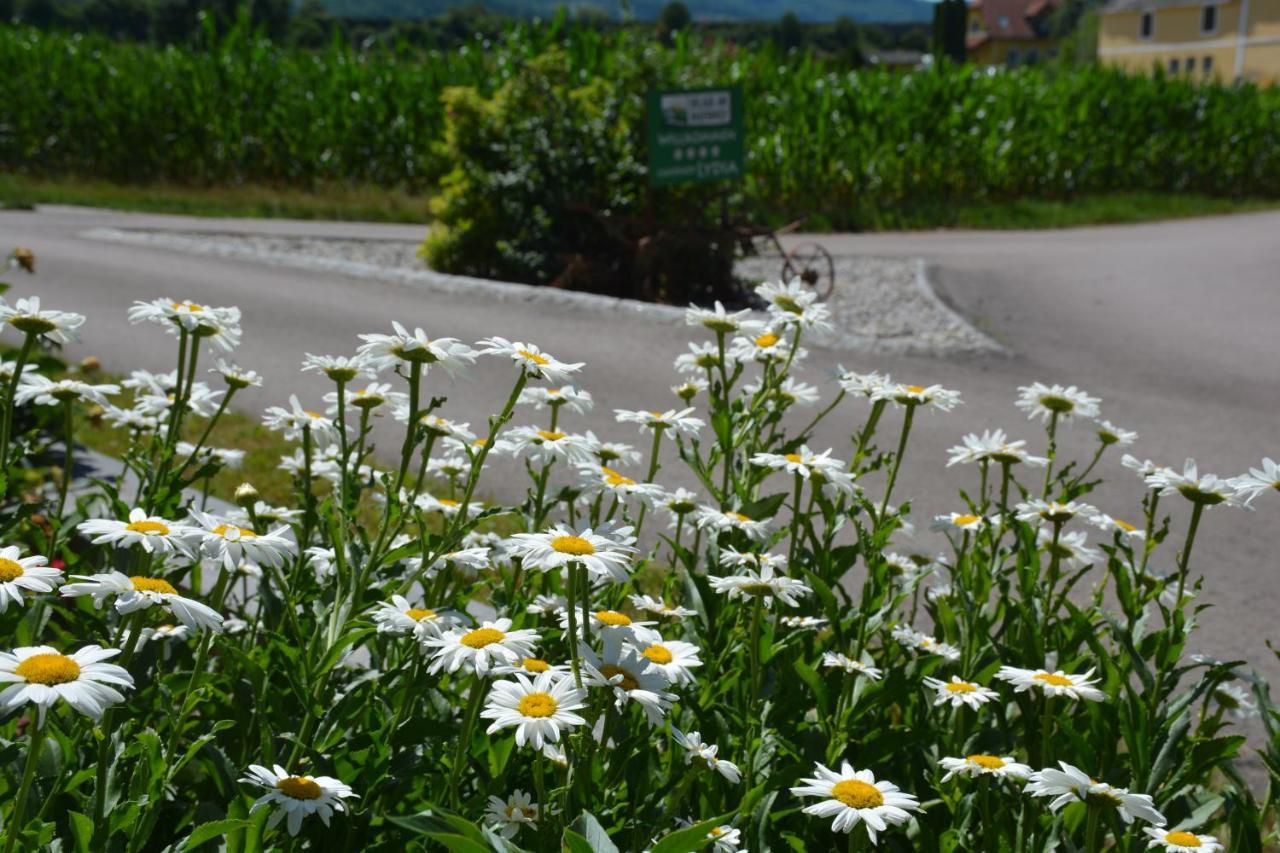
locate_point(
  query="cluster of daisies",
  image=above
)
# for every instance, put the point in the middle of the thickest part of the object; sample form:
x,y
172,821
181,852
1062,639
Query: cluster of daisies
x,y
551,668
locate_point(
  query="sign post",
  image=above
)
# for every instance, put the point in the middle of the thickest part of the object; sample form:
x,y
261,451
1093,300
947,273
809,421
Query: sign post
x,y
695,135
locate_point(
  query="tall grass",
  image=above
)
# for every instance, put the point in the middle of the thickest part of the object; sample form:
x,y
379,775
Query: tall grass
x,y
854,148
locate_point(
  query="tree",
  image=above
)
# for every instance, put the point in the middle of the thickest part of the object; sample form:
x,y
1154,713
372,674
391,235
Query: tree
x,y
120,19
675,16
6,11
948,29
790,31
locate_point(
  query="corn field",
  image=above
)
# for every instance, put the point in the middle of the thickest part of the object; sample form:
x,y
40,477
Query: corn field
x,y
244,110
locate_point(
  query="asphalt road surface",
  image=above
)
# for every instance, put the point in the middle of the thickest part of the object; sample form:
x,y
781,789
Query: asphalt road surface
x,y
1175,325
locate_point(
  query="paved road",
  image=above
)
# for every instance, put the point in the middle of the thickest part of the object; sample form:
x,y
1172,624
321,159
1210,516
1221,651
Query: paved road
x,y
1174,325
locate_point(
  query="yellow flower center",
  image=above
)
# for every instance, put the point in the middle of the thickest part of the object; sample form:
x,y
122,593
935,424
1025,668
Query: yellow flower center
x,y
10,570
857,795
793,457
629,681
417,614
716,832
766,340
190,306
1052,678
548,435
613,478
575,545
1182,839
961,687
148,527
144,584
537,705
481,637
299,788
986,762
49,668
658,654
541,361
535,665
1124,525
447,502
613,618
964,519
245,533
737,516
915,389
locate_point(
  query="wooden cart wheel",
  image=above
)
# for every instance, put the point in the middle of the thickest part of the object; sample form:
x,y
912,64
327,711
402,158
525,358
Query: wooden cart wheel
x,y
812,264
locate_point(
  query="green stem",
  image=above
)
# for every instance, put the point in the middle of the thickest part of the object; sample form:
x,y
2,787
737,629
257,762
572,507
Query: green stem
x,y
1051,454
571,573
897,461
28,776
67,467
6,433
464,738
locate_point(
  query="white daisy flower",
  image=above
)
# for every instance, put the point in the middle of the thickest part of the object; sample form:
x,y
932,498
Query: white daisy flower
x,y
993,446
154,534
675,659
479,649
544,445
679,421
202,402
1070,548
292,421
386,351
679,503
660,607
934,396
160,632
235,376
340,368
25,316
448,507
297,797
366,399
220,326
547,605
21,575
959,521
921,642
1071,784
792,303
957,692
574,399
227,457
43,391
716,319
725,839
853,797
705,753
535,363
398,616
630,675
1056,683
1108,433
804,462
507,817
1109,524
763,343
699,359
689,389
763,584
802,623
1235,700
534,667
869,385
612,452
1207,490
1258,480
720,521
602,621
230,544
605,553
139,593
984,765
1045,401
601,479
837,660
1181,841
790,391
41,675
1144,467
539,709
1053,512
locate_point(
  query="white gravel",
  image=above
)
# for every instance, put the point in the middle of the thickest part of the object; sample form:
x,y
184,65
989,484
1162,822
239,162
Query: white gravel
x,y
878,303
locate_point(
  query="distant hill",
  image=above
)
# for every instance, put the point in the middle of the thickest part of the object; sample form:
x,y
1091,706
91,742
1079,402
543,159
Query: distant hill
x,y
878,11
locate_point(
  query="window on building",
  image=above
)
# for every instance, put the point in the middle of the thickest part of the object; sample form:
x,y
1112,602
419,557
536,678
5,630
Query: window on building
x,y
1191,64
1173,66
1206,64
1209,19
1148,25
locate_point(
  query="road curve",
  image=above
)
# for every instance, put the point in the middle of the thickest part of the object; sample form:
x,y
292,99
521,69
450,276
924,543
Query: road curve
x,y
1174,325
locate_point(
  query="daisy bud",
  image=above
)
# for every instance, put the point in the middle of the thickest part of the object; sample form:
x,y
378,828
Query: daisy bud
x,y
246,495
90,364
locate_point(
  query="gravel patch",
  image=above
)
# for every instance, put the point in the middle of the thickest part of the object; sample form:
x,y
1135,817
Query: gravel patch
x,y
878,304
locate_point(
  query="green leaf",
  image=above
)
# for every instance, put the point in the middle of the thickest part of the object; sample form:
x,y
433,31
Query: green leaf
x,y
81,830
593,833
206,832
575,843
688,839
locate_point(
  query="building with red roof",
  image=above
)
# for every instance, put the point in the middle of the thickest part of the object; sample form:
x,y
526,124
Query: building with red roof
x,y
1010,32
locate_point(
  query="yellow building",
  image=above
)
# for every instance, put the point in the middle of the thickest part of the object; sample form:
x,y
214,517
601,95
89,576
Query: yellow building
x,y
1228,40
1010,32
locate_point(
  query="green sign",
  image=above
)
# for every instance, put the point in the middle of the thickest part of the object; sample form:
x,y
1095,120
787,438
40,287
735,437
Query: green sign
x,y
695,135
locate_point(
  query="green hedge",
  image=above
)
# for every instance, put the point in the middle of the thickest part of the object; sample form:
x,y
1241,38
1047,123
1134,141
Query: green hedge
x,y
852,148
